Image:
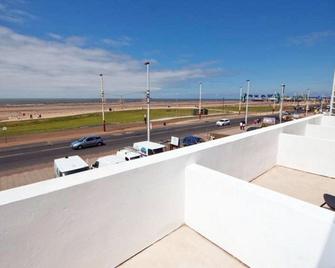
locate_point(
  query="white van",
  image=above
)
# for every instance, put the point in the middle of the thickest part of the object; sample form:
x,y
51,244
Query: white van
x,y
148,148
128,153
69,165
108,160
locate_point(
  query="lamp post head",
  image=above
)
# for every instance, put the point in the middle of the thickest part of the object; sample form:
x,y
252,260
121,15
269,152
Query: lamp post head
x,y
248,80
147,63
101,75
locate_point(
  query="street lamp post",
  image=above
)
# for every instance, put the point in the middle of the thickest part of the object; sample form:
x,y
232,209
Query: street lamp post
x,y
307,102
247,102
281,102
4,129
103,103
240,104
331,104
200,89
274,102
147,63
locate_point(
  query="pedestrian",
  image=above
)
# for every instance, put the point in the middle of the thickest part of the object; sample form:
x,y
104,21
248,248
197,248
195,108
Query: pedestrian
x,y
241,125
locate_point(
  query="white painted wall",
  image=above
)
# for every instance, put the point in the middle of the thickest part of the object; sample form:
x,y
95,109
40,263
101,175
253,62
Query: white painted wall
x,y
260,227
245,156
97,223
328,121
102,217
308,154
321,132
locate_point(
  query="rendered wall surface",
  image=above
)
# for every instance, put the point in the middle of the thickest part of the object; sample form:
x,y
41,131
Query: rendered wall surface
x,y
320,131
303,153
100,223
328,121
260,227
102,217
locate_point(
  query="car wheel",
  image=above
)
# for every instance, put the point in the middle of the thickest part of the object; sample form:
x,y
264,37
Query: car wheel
x,y
100,143
80,147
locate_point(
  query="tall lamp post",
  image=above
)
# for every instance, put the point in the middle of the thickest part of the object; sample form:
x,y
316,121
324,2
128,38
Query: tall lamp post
x,y
247,102
147,63
281,102
103,103
307,102
200,89
331,107
240,104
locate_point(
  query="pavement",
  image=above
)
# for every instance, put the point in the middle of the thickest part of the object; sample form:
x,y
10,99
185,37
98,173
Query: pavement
x,y
183,248
296,183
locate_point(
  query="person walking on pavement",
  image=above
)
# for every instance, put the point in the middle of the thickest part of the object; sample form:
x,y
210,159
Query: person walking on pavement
x,y
243,125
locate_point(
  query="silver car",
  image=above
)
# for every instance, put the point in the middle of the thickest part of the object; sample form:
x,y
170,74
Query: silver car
x,y
85,142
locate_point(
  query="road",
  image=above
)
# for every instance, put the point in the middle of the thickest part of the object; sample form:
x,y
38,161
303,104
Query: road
x,y
26,157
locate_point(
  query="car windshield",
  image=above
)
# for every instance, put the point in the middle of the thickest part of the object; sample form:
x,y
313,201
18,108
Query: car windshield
x,y
81,139
159,150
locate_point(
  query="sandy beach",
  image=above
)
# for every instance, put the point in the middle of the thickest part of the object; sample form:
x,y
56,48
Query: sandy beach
x,y
14,112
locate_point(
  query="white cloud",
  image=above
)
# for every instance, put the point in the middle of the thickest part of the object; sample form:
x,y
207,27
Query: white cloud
x,y
118,42
55,36
311,39
33,67
71,40
13,11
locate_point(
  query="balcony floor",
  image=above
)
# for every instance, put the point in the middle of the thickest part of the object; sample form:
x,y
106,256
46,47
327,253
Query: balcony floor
x,y
183,248
299,184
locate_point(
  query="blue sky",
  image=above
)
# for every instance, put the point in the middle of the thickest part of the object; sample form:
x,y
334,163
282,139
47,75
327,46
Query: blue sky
x,y
58,48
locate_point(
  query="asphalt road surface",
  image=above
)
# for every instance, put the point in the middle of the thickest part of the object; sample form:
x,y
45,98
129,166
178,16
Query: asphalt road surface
x,y
27,157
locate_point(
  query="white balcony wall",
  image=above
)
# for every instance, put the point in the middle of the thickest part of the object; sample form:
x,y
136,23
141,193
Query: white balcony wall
x,y
303,153
319,131
245,156
97,221
328,121
248,155
102,217
260,227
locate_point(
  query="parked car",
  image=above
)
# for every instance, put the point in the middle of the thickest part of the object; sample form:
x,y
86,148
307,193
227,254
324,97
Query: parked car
x,y
108,160
191,140
69,165
268,121
85,142
146,148
129,153
253,128
223,122
298,115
